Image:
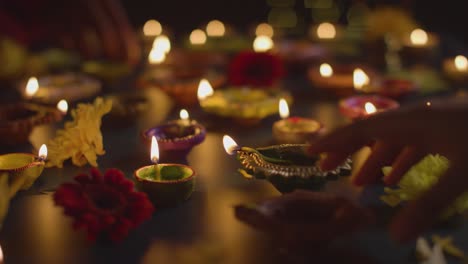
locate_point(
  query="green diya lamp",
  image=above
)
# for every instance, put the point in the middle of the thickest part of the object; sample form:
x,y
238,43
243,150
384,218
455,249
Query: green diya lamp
x,y
246,106
286,166
166,184
22,168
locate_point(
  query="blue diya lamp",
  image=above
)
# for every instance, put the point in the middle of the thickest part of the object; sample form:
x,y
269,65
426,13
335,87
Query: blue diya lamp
x,y
177,138
286,166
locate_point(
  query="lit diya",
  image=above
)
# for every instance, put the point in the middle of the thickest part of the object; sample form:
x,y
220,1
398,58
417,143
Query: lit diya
x,y
358,107
294,130
246,106
165,184
419,46
340,80
177,138
287,167
18,120
456,68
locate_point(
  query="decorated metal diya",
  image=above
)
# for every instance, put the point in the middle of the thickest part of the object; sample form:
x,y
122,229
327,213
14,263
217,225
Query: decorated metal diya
x,y
51,89
18,120
247,106
177,138
166,184
361,106
286,166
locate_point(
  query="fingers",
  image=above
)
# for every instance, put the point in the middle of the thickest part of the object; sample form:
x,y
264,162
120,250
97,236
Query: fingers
x,y
421,214
333,160
407,158
382,153
342,140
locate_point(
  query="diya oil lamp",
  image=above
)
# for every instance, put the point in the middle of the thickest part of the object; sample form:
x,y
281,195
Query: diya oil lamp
x,y
325,32
166,184
362,106
151,29
177,138
51,89
262,44
264,29
18,120
456,69
419,46
245,106
287,166
294,130
22,169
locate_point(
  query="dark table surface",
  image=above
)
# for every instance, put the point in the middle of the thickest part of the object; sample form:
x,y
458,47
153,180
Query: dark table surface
x,y
203,229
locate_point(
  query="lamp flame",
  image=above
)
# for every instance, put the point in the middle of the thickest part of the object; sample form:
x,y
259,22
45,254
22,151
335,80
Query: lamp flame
x,y
461,63
43,152
215,28
197,37
360,79
419,37
370,108
152,28
283,108
326,31
184,115
62,106
162,43
156,56
154,150
264,29
204,90
326,70
230,146
32,86
262,44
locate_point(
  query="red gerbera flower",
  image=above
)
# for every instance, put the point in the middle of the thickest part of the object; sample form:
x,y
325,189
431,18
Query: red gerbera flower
x,y
104,205
255,68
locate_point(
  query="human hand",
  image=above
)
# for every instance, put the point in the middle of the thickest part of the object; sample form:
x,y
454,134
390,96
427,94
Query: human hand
x,y
304,216
402,138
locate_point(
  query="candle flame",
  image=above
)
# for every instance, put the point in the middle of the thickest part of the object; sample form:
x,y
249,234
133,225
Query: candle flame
x,y
152,28
326,70
62,106
43,152
162,43
370,108
154,150
262,44
264,29
184,115
360,79
230,146
197,37
204,90
428,103
215,28
283,108
326,31
419,37
461,63
32,86
156,56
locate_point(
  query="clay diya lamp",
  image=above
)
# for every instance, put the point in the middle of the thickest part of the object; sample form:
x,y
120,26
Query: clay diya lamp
x,y
18,120
246,106
299,54
294,130
177,138
395,88
165,184
287,166
362,106
419,47
50,89
340,80
456,69
22,169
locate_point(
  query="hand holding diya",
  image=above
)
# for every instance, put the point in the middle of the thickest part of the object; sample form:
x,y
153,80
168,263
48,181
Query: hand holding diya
x,y
287,166
166,184
18,171
359,107
176,138
294,130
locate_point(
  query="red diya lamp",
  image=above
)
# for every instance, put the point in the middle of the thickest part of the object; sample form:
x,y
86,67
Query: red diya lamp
x,y
358,107
294,130
177,138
